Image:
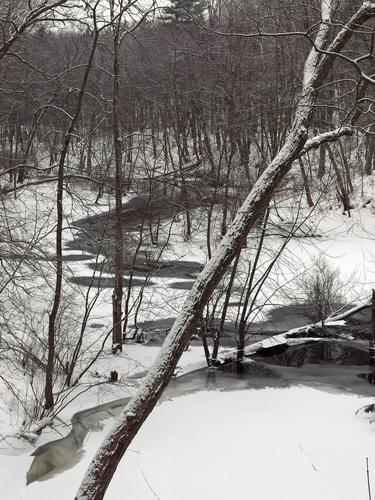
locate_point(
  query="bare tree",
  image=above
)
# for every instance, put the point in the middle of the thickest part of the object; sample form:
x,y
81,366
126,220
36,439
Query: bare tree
x,y
116,22
49,399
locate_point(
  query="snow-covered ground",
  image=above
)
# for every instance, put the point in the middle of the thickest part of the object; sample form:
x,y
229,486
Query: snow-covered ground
x,y
209,445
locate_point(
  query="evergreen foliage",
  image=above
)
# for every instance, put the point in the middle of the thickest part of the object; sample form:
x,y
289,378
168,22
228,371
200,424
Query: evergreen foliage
x,y
184,10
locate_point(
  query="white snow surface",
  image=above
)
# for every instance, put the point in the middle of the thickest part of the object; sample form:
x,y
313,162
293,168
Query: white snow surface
x,y
269,444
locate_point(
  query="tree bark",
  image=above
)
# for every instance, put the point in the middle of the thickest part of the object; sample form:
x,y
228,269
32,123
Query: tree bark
x,y
341,189
306,184
322,162
119,244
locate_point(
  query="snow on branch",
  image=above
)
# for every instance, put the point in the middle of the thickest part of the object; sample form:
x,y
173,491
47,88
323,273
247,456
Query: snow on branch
x,y
330,136
350,312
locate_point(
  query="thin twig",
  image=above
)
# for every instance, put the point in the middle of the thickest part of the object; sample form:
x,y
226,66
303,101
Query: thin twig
x,y
368,479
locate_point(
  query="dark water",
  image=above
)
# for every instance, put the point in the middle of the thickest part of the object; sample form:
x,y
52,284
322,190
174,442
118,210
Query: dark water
x,y
327,351
332,366
64,453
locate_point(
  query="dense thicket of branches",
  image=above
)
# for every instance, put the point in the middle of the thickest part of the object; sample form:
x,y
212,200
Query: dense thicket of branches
x,y
211,96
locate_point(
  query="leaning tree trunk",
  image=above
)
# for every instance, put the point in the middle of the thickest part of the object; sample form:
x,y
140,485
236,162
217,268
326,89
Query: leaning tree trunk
x,y
104,464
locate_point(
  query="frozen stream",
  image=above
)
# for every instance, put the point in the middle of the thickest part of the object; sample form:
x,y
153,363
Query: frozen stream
x,y
327,392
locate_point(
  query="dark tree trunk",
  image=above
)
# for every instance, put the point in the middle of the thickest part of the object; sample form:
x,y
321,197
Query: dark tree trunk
x,y
322,161
48,392
306,184
119,244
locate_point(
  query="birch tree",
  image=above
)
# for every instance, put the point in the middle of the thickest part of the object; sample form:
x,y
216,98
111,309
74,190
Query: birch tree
x,y
325,49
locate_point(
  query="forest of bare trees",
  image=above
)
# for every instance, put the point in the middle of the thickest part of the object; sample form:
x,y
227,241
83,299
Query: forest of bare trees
x,y
129,130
